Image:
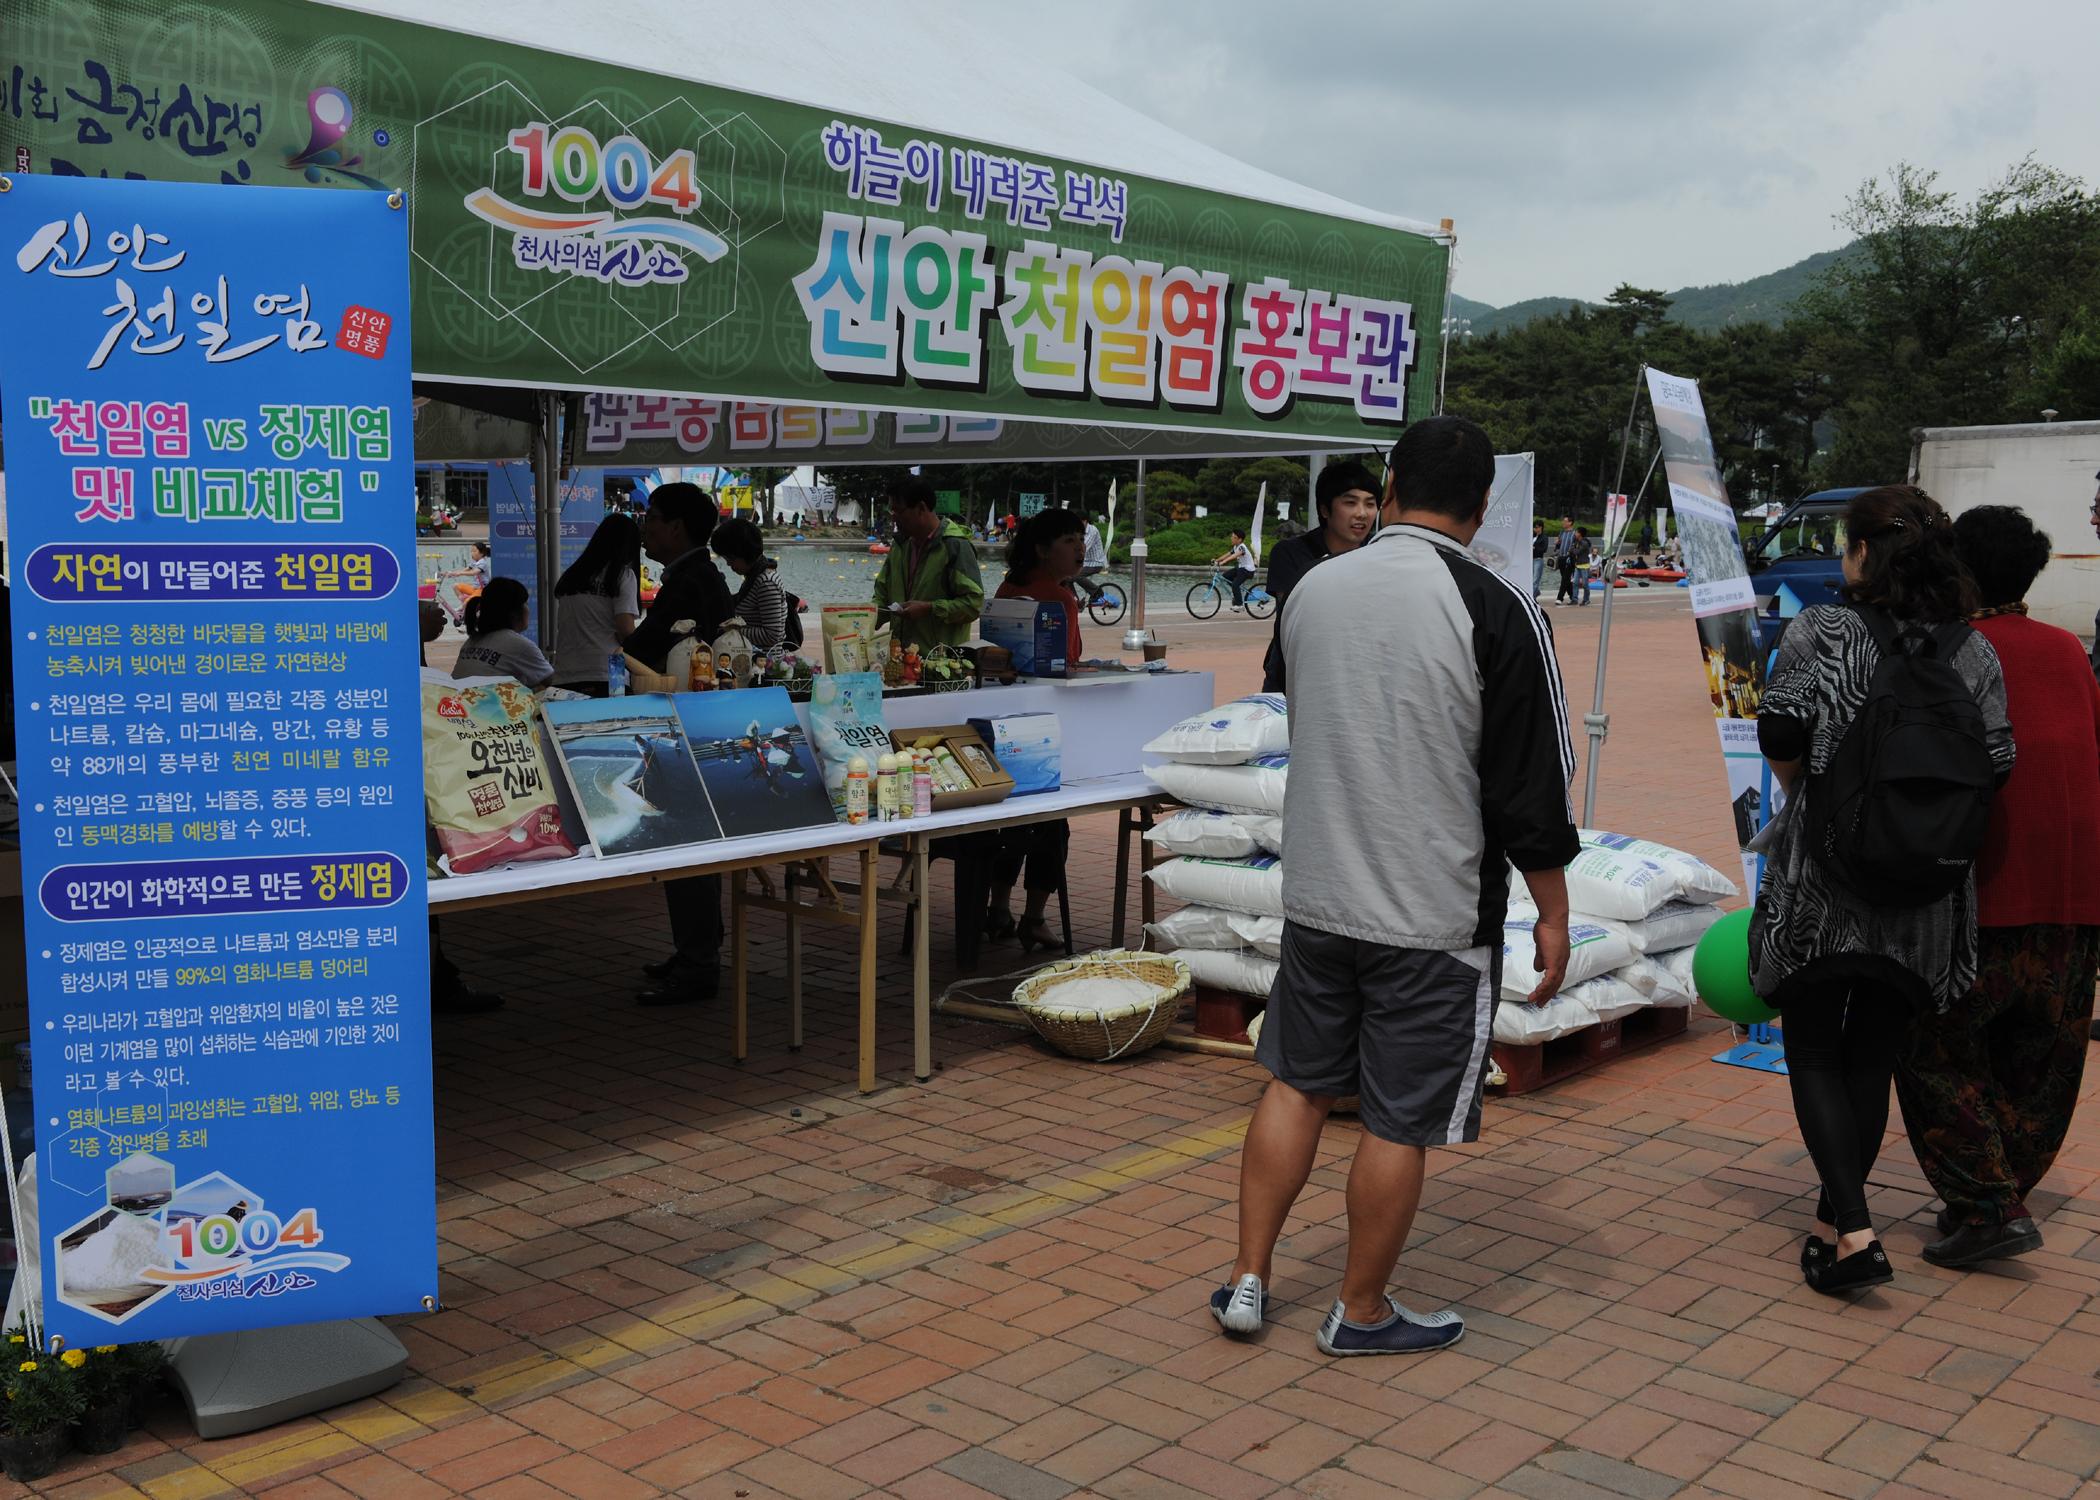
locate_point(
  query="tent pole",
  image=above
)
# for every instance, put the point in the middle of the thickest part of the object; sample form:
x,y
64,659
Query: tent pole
x,y
546,508
1314,463
1135,637
1597,723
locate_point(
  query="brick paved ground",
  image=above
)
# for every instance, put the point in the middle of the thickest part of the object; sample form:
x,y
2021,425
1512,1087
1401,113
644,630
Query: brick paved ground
x,y
666,1274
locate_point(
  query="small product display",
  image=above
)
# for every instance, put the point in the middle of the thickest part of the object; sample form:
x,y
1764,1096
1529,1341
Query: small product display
x,y
486,785
886,788
1033,633
857,789
1029,747
960,771
849,633
845,720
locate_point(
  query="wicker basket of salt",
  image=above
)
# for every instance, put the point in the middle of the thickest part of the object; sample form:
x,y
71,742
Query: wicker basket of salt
x,y
1102,1006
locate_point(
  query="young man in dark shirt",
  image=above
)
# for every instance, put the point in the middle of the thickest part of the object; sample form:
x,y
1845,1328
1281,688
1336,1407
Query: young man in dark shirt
x,y
1346,501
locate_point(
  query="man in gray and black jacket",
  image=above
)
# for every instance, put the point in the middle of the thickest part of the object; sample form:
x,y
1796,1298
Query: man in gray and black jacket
x,y
1429,752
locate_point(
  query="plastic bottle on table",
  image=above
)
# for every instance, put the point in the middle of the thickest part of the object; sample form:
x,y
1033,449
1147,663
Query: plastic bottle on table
x,y
857,789
616,675
903,789
922,785
886,789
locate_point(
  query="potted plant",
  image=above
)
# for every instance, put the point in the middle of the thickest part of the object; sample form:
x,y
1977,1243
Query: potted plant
x,y
105,1389
141,1368
43,1397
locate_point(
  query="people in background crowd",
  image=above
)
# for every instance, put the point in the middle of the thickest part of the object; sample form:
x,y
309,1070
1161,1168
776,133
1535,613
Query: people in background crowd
x,y
597,605
1988,1087
1564,560
1237,564
1539,543
1345,497
496,644
1850,976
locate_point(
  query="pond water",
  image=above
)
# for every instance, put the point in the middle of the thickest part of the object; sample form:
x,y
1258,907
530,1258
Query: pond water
x,y
821,575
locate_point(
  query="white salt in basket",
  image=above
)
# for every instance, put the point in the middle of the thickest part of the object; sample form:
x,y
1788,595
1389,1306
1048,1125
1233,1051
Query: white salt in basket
x,y
1102,1006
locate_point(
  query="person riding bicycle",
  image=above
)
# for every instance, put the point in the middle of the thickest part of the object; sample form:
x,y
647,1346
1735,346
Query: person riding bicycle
x,y
1092,563
1237,567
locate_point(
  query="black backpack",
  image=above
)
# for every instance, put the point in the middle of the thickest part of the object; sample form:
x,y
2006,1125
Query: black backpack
x,y
791,637
1898,816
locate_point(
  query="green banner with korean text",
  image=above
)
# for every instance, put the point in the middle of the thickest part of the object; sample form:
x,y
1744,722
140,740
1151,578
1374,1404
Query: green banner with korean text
x,y
584,226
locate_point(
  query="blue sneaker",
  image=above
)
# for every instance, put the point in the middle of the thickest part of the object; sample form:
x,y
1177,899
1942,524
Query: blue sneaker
x,y
1240,1306
1403,1333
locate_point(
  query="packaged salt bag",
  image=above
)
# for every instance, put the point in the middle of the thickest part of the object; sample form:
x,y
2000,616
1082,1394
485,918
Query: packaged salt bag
x,y
1244,885
1655,983
1608,997
1229,735
1213,927
1593,949
1520,1025
1697,881
1240,972
1201,834
1256,787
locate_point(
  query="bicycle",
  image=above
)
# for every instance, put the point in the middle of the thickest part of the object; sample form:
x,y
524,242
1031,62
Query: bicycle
x,y
1108,601
1205,599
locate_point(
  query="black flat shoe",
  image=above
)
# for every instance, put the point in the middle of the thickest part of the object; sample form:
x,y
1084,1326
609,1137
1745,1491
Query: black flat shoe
x,y
1815,1254
664,970
684,988
1973,1244
998,925
1855,1273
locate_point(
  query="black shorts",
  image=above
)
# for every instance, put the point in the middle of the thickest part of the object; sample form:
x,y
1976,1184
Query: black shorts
x,y
1404,1029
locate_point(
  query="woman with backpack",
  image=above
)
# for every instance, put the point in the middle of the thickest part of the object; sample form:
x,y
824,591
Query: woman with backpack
x,y
1867,912
1988,1092
761,601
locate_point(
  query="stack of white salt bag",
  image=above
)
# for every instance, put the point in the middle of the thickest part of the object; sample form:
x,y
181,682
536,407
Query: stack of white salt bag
x,y
1637,909
1229,767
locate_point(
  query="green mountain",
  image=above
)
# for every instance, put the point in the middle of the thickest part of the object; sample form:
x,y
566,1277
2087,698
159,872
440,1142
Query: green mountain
x,y
1762,299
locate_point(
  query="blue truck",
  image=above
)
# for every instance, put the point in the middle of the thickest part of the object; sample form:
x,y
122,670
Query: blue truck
x,y
1798,561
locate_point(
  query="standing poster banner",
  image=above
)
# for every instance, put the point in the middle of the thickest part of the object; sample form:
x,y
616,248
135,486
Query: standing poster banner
x,y
207,396
514,526
1503,542
1724,605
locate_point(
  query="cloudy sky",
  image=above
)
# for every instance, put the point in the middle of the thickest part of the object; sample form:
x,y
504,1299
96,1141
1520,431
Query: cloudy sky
x,y
1581,144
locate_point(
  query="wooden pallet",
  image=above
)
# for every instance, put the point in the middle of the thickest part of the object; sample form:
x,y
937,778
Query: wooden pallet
x,y
1535,1065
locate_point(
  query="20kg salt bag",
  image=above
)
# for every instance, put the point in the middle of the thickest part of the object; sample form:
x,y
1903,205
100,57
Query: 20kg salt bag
x,y
1205,835
1678,964
1522,1025
1674,924
1256,787
1252,885
1215,929
1697,881
1229,735
1655,983
1593,949
1241,973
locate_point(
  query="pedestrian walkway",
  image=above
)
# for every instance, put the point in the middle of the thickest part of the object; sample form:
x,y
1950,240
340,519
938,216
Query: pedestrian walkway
x,y
666,1274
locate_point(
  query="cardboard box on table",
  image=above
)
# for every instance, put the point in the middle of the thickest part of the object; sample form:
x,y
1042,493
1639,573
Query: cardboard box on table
x,y
967,746
1034,633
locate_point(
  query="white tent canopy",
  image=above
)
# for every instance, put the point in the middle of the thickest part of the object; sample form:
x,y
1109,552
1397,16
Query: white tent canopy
x,y
884,63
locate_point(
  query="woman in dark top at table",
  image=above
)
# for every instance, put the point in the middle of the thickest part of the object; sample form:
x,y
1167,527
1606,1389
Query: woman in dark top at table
x,y
1045,556
1346,498
761,599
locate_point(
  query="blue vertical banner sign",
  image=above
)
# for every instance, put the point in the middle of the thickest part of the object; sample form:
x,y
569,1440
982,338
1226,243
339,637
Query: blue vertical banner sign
x,y
212,518
514,525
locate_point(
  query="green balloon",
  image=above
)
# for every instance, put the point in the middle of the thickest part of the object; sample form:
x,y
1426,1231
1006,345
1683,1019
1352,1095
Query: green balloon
x,y
1721,972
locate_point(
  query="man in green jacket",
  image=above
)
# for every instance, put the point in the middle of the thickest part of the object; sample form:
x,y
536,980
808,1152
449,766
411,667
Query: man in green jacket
x,y
929,588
